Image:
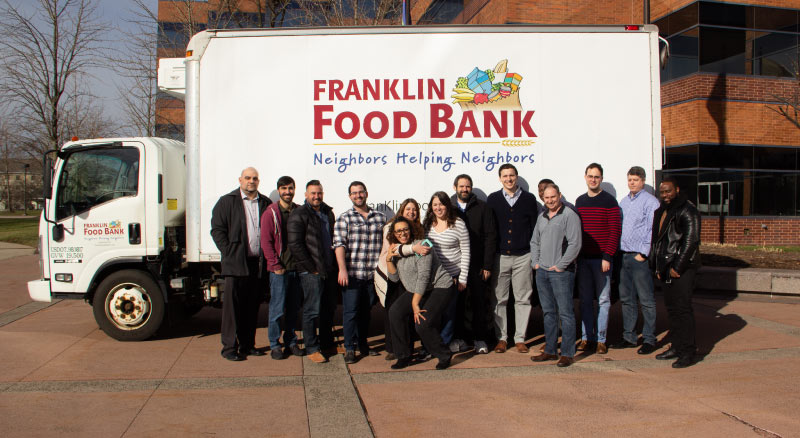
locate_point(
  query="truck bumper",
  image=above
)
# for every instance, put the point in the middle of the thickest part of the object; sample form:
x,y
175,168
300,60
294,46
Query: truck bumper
x,y
39,290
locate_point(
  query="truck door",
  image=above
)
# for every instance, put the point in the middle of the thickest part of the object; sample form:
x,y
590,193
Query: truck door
x,y
100,202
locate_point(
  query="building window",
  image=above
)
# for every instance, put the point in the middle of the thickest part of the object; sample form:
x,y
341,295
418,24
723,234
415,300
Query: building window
x,y
731,38
738,180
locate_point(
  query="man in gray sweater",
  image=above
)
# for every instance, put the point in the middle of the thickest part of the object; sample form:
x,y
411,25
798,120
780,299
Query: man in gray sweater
x,y
555,244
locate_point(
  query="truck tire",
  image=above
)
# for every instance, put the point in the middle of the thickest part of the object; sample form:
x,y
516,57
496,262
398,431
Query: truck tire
x,y
128,305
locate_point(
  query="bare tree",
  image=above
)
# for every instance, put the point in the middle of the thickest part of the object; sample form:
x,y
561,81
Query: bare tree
x,y
43,51
351,12
788,106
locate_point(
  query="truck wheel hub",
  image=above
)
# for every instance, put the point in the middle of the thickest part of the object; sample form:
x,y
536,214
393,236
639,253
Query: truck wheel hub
x,y
128,306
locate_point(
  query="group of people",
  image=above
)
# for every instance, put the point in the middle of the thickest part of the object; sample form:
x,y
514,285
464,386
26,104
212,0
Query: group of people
x,y
448,278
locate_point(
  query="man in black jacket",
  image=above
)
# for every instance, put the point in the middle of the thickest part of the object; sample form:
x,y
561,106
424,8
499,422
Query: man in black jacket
x,y
236,230
483,244
675,257
310,233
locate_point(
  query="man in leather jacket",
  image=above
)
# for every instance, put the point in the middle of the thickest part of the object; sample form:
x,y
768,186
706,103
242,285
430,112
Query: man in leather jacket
x,y
675,258
310,234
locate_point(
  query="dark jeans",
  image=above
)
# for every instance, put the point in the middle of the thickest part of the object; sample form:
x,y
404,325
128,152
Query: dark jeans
x,y
636,285
284,302
434,303
357,301
393,291
318,308
477,310
678,299
240,303
555,296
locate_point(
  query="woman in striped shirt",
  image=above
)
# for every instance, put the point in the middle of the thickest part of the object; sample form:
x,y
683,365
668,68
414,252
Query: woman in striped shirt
x,y
450,240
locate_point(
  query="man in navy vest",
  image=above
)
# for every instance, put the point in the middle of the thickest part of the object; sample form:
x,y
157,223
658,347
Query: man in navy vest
x,y
516,211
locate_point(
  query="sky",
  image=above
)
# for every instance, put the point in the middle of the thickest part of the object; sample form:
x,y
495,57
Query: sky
x,y
115,13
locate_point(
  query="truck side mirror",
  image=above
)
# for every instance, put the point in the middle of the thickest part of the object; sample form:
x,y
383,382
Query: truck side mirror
x,y
58,232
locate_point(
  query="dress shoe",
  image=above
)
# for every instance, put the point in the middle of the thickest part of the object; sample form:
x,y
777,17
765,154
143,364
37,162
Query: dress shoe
x,y
443,364
390,356
667,355
294,350
622,345
233,356
501,347
253,352
646,348
544,357
565,362
332,351
521,347
277,354
601,348
317,357
424,355
349,356
401,363
684,361
584,345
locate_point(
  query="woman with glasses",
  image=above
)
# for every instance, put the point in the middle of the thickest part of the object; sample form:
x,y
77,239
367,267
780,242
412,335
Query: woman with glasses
x,y
424,290
387,290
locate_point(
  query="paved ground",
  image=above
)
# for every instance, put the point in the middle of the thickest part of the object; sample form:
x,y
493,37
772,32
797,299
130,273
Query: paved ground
x,y
64,376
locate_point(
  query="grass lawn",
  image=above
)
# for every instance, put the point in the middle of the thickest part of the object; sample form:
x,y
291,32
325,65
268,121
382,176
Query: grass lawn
x,y
24,231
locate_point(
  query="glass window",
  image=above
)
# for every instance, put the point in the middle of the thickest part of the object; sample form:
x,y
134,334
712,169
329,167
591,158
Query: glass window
x,y
774,19
95,176
775,158
681,157
774,194
723,14
726,157
678,21
774,54
683,54
722,50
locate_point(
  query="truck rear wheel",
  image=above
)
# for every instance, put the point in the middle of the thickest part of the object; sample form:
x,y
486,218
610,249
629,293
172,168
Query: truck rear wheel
x,y
128,305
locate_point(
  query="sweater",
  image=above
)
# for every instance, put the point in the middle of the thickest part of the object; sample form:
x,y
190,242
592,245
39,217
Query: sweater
x,y
452,249
514,224
556,240
601,224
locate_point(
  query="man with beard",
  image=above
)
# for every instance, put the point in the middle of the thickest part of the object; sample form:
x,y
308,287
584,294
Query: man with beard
x,y
480,222
675,258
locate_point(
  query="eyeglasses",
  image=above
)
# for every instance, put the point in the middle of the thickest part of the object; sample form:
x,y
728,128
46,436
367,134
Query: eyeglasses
x,y
402,231
594,177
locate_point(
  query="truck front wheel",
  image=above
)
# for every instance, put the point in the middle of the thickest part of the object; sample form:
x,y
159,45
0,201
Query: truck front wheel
x,y
128,305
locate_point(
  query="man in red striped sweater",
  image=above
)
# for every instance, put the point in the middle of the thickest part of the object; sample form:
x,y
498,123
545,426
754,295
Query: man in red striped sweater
x,y
602,225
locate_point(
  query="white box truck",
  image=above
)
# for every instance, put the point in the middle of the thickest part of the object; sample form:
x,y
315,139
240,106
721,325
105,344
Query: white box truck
x,y
404,109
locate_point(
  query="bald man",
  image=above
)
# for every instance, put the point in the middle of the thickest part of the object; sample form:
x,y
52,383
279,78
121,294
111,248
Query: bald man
x,y
236,230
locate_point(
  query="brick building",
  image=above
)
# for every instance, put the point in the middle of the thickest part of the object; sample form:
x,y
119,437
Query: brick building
x,y
730,64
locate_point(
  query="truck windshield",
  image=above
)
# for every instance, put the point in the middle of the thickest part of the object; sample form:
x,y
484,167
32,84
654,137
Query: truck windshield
x,y
95,176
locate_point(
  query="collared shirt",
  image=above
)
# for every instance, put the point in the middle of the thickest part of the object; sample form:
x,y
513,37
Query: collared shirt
x,y
512,199
253,220
637,221
362,240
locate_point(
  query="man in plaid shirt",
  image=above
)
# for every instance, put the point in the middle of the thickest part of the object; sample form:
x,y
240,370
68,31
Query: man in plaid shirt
x,y
357,240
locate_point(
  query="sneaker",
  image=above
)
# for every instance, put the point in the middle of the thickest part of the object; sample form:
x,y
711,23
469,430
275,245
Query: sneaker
x,y
350,356
458,345
481,347
317,357
443,364
277,354
423,355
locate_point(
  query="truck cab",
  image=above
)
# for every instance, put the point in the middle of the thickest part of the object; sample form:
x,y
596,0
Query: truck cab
x,y
112,210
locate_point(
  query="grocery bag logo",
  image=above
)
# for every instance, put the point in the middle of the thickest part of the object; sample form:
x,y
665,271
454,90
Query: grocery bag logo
x,y
115,224
488,89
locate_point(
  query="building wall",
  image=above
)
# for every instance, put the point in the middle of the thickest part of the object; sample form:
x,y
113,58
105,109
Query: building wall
x,y
750,231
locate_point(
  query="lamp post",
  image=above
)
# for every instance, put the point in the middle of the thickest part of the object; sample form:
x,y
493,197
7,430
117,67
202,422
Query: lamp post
x,y
25,189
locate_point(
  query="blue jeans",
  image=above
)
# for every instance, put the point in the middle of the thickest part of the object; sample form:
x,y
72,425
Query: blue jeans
x,y
555,296
593,282
636,282
284,302
357,301
312,299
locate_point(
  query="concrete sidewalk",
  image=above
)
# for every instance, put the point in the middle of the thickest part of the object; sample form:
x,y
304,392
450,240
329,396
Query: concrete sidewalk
x,y
64,376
